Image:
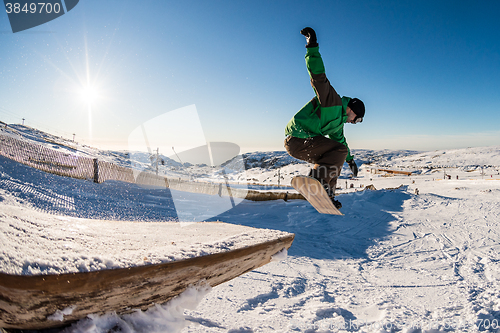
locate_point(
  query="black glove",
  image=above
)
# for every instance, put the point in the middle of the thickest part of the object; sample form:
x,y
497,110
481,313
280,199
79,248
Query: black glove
x,y
310,37
354,167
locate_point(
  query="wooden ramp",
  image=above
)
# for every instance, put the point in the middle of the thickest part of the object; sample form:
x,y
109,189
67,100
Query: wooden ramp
x,y
27,301
394,172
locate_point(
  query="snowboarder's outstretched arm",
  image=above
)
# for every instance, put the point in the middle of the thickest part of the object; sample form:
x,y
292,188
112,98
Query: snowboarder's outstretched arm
x,y
326,94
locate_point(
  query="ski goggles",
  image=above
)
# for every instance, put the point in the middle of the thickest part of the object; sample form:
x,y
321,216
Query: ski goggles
x,y
357,120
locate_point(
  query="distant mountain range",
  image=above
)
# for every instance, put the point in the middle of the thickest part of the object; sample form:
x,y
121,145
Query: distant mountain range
x,y
466,158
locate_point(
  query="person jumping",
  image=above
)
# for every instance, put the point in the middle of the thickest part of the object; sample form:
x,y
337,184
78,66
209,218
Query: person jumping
x,y
315,134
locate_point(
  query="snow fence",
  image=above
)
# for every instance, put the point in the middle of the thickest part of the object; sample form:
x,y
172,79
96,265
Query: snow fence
x,y
81,167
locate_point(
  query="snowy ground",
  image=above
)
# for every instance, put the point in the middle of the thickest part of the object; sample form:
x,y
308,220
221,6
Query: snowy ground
x,y
396,262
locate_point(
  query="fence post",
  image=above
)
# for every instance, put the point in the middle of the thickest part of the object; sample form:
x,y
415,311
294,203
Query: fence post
x,y
96,171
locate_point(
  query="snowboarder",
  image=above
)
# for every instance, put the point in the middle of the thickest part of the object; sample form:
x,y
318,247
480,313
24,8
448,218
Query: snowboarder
x,y
325,115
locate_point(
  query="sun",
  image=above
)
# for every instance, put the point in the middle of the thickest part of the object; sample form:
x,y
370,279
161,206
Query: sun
x,y
89,94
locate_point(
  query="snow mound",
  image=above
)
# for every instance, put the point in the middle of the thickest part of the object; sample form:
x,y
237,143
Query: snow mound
x,y
168,317
396,262
35,243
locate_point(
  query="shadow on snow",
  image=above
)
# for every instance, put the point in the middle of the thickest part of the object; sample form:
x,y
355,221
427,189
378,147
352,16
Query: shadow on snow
x,y
111,200
368,214
368,217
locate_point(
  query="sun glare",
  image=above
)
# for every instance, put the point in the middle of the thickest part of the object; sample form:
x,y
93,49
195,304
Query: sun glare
x,y
89,94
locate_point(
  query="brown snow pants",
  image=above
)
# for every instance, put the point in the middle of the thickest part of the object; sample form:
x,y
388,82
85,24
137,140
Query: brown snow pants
x,y
327,155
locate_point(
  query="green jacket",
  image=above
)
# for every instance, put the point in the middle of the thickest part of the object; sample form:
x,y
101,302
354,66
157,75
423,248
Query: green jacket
x,y
325,114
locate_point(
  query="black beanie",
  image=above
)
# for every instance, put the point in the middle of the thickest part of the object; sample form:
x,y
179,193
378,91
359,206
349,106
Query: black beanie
x,y
357,106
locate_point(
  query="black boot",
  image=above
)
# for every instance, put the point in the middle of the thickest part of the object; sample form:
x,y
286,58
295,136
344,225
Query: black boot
x,y
336,203
331,195
329,191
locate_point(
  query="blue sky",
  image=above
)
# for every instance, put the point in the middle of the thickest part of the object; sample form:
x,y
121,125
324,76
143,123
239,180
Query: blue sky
x,y
428,71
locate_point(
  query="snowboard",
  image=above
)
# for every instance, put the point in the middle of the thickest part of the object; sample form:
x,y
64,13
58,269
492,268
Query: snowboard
x,y
315,193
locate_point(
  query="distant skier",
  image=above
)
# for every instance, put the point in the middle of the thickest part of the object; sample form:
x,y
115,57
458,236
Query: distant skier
x,y
325,115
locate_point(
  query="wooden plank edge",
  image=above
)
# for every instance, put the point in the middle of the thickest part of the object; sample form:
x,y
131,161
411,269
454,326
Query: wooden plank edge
x,y
27,301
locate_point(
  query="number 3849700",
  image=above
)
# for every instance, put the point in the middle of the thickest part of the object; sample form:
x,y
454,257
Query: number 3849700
x,y
33,8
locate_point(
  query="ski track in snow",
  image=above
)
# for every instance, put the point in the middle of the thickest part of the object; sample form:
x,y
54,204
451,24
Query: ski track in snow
x,y
396,262
432,264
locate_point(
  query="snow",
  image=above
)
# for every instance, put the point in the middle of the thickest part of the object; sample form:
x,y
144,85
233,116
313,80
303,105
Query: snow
x,y
280,255
53,225
59,315
168,317
397,261
35,243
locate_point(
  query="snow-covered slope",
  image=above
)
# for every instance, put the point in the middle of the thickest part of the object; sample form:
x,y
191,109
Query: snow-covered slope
x,y
397,261
271,168
464,159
